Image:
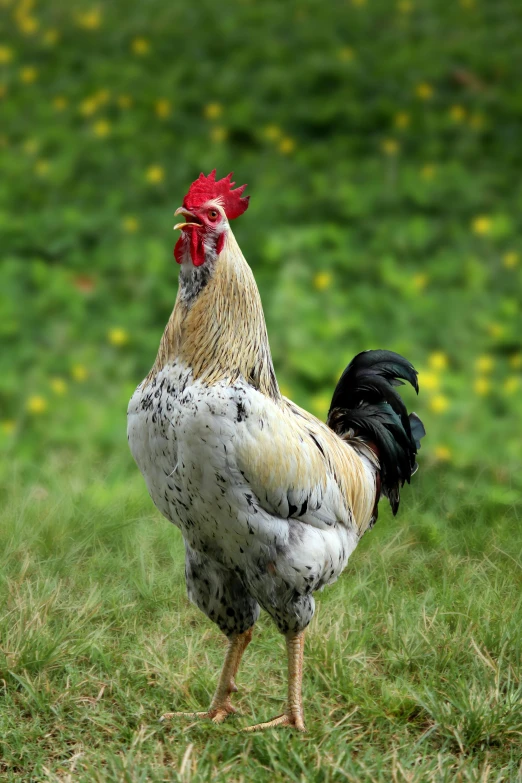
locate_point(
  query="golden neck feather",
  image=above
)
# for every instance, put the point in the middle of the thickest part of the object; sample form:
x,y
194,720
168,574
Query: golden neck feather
x,y
222,334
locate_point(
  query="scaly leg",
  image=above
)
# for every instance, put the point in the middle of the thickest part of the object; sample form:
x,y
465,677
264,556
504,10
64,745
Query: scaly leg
x,y
221,706
293,716
245,638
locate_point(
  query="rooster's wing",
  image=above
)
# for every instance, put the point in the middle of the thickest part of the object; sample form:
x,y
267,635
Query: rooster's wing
x,y
300,469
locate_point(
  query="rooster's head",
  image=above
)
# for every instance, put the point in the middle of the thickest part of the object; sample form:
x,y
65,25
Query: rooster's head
x,y
207,209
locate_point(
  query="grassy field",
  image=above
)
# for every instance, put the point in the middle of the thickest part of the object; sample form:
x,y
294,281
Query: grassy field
x,y
413,660
381,144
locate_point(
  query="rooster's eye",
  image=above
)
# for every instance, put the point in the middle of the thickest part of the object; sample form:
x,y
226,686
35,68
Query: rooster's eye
x,y
212,213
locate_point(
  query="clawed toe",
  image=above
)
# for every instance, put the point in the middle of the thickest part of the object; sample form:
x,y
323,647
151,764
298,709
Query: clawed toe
x,y
215,714
220,715
286,719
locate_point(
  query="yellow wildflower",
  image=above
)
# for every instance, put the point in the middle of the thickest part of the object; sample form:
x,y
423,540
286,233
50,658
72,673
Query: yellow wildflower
x,y
36,404
218,134
8,426
101,128
60,103
88,106
212,111
439,403
124,101
515,361
79,372
102,97
511,384
140,46
155,174
90,20
496,330
481,386
428,171
424,91
390,147
286,145
130,224
481,225
428,381
27,24
442,453
438,360
322,280
117,336
272,132
29,74
457,113
321,405
420,281
484,364
405,6
41,167
346,54
162,107
477,121
401,119
6,54
59,386
31,146
51,37
510,259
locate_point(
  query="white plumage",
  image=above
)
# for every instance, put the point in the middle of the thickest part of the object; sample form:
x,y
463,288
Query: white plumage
x,y
270,501
239,477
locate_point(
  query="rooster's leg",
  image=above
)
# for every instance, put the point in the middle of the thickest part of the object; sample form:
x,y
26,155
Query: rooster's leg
x,y
245,639
293,715
221,706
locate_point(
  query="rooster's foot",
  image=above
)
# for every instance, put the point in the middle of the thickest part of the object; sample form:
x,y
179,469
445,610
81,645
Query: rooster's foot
x,y
215,714
294,721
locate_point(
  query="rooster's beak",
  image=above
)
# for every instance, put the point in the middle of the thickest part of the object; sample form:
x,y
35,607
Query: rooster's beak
x,y
187,214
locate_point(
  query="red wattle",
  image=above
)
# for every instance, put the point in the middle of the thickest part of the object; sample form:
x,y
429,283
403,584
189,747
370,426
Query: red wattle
x,y
178,250
197,249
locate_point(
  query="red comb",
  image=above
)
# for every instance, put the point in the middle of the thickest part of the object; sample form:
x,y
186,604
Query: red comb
x,y
206,188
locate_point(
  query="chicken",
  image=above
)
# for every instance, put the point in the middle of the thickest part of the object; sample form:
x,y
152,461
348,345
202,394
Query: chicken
x,y
271,502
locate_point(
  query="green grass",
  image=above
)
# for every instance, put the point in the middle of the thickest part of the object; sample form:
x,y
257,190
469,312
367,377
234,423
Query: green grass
x,y
413,660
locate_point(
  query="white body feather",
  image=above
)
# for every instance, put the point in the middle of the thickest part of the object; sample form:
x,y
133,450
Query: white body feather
x,y
187,441
270,502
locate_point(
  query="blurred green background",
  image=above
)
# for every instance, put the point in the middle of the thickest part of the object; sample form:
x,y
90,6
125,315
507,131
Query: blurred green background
x,y
381,141
381,144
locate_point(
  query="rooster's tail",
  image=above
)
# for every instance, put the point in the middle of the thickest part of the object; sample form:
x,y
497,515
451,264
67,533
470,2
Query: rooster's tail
x,y
365,406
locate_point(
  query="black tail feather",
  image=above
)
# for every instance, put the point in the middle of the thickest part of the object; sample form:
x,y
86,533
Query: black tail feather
x,y
366,404
417,429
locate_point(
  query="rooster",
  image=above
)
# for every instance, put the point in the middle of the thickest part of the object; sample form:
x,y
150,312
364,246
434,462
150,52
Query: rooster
x,y
271,502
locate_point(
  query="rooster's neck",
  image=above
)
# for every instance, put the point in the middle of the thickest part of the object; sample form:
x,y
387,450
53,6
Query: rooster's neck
x,y
218,328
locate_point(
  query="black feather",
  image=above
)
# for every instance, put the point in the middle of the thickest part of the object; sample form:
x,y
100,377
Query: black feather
x,y
366,403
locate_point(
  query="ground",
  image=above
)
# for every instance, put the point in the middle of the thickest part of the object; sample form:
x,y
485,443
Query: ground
x,y
413,660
